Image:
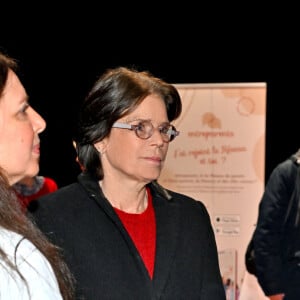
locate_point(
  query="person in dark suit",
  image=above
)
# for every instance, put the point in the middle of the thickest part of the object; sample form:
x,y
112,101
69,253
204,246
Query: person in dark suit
x,y
276,241
125,236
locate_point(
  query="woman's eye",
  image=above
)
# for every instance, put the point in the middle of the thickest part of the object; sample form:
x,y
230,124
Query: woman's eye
x,y
140,126
24,108
165,129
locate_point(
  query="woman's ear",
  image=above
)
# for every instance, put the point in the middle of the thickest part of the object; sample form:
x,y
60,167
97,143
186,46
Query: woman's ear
x,y
100,146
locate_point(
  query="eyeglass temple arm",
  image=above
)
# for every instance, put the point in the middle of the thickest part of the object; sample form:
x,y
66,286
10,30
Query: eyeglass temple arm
x,y
174,132
122,125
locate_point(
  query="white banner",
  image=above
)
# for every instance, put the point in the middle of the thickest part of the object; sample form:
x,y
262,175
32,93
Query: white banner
x,y
219,158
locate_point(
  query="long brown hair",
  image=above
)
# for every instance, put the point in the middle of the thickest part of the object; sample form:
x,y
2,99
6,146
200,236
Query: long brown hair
x,y
12,216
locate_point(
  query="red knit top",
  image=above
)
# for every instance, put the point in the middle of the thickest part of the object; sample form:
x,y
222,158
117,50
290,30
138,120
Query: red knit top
x,y
142,230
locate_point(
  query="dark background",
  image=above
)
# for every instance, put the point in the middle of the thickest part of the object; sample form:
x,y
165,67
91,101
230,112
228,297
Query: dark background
x,y
61,53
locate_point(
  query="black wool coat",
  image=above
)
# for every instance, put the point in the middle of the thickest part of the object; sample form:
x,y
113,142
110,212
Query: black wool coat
x,y
104,260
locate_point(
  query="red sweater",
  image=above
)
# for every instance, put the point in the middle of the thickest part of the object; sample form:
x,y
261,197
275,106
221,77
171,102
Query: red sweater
x,y
142,230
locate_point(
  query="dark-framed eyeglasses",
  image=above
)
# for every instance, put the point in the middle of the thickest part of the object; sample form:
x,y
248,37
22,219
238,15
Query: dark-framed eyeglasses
x,y
144,130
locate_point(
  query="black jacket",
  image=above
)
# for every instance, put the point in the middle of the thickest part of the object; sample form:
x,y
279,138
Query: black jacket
x,y
104,259
276,237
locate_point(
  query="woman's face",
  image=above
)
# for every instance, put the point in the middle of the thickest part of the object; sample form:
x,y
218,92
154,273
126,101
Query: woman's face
x,y
125,156
20,125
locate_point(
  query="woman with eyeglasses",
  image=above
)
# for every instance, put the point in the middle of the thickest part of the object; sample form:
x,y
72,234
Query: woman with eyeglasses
x,y
124,236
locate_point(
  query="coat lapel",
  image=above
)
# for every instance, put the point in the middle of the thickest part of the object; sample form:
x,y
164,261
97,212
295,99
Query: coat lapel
x,y
167,233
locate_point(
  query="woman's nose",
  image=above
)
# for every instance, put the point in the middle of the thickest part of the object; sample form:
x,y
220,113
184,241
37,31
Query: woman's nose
x,y
38,123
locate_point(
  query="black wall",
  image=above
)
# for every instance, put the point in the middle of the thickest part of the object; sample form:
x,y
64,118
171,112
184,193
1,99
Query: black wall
x,y
59,65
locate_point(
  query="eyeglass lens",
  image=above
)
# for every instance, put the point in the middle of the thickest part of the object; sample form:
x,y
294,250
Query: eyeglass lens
x,y
145,129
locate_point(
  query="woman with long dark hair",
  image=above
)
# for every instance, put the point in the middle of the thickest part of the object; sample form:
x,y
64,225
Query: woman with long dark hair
x,y
30,266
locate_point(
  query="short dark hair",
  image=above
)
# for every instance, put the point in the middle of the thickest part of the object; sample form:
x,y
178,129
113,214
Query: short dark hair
x,y
115,94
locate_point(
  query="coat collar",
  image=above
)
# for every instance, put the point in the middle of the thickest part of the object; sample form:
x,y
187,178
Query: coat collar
x,y
167,215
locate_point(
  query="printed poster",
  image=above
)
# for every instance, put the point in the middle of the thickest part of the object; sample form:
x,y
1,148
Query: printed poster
x,y
219,159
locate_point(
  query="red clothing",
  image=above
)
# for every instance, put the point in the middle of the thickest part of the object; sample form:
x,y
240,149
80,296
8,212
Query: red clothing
x,y
48,186
142,230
